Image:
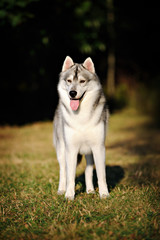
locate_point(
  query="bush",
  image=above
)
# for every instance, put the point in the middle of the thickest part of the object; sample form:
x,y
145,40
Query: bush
x,y
120,100
148,100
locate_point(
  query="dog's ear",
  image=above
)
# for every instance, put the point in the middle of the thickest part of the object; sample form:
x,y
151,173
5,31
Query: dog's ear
x,y
88,64
68,62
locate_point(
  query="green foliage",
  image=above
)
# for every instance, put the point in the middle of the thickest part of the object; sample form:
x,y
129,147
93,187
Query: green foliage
x,y
122,95
121,98
36,36
15,11
93,19
84,8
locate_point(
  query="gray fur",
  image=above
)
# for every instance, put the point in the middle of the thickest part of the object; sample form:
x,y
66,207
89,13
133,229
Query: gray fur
x,y
80,131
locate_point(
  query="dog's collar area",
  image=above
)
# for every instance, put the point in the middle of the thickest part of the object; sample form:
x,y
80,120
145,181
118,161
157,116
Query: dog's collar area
x,y
78,98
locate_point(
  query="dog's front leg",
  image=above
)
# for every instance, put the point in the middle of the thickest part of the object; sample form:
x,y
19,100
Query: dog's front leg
x,y
99,159
71,163
62,165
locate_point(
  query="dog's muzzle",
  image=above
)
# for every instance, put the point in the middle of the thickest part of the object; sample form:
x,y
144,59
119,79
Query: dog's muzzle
x,y
74,102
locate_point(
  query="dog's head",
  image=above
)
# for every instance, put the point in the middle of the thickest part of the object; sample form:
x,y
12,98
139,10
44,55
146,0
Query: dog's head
x,y
77,79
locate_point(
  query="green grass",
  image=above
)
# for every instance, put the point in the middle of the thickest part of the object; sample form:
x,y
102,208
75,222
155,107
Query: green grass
x,y
31,209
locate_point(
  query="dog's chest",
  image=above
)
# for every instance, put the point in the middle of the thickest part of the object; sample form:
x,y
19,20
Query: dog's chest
x,y
86,117
84,135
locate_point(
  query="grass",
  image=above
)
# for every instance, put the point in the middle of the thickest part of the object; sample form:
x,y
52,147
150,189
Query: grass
x,y
31,209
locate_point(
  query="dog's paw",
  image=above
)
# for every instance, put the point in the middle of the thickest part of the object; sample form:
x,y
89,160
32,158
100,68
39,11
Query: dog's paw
x,y
69,198
61,192
90,191
104,195
70,193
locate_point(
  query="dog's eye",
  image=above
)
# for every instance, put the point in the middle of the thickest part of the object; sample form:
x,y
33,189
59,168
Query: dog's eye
x,y
69,80
82,81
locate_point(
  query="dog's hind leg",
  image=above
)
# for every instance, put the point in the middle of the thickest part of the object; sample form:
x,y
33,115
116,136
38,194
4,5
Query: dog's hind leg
x,y
89,174
99,159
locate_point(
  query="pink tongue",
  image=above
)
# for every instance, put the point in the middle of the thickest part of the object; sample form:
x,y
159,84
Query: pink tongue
x,y
74,104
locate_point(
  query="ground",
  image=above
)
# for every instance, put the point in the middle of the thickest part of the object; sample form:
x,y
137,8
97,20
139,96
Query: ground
x,y
31,208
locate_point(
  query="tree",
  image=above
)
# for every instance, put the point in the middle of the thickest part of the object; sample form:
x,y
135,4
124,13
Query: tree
x,y
110,81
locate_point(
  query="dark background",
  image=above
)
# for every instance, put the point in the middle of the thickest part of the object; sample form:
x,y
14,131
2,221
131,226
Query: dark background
x,y
37,35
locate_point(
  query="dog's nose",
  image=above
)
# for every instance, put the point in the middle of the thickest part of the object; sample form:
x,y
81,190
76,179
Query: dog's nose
x,y
72,93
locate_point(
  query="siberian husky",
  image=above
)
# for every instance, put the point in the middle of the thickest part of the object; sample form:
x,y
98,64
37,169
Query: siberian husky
x,y
80,126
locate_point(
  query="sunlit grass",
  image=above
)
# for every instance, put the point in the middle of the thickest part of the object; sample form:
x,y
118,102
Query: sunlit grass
x,y
31,208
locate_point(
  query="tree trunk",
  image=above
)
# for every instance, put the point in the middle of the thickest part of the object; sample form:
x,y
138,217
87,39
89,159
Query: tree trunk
x,y
110,81
111,74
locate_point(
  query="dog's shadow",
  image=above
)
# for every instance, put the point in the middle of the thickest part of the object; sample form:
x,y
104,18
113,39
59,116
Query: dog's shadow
x,y
113,176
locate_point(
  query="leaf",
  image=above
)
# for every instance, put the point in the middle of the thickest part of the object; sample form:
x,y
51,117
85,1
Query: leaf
x,y
3,13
